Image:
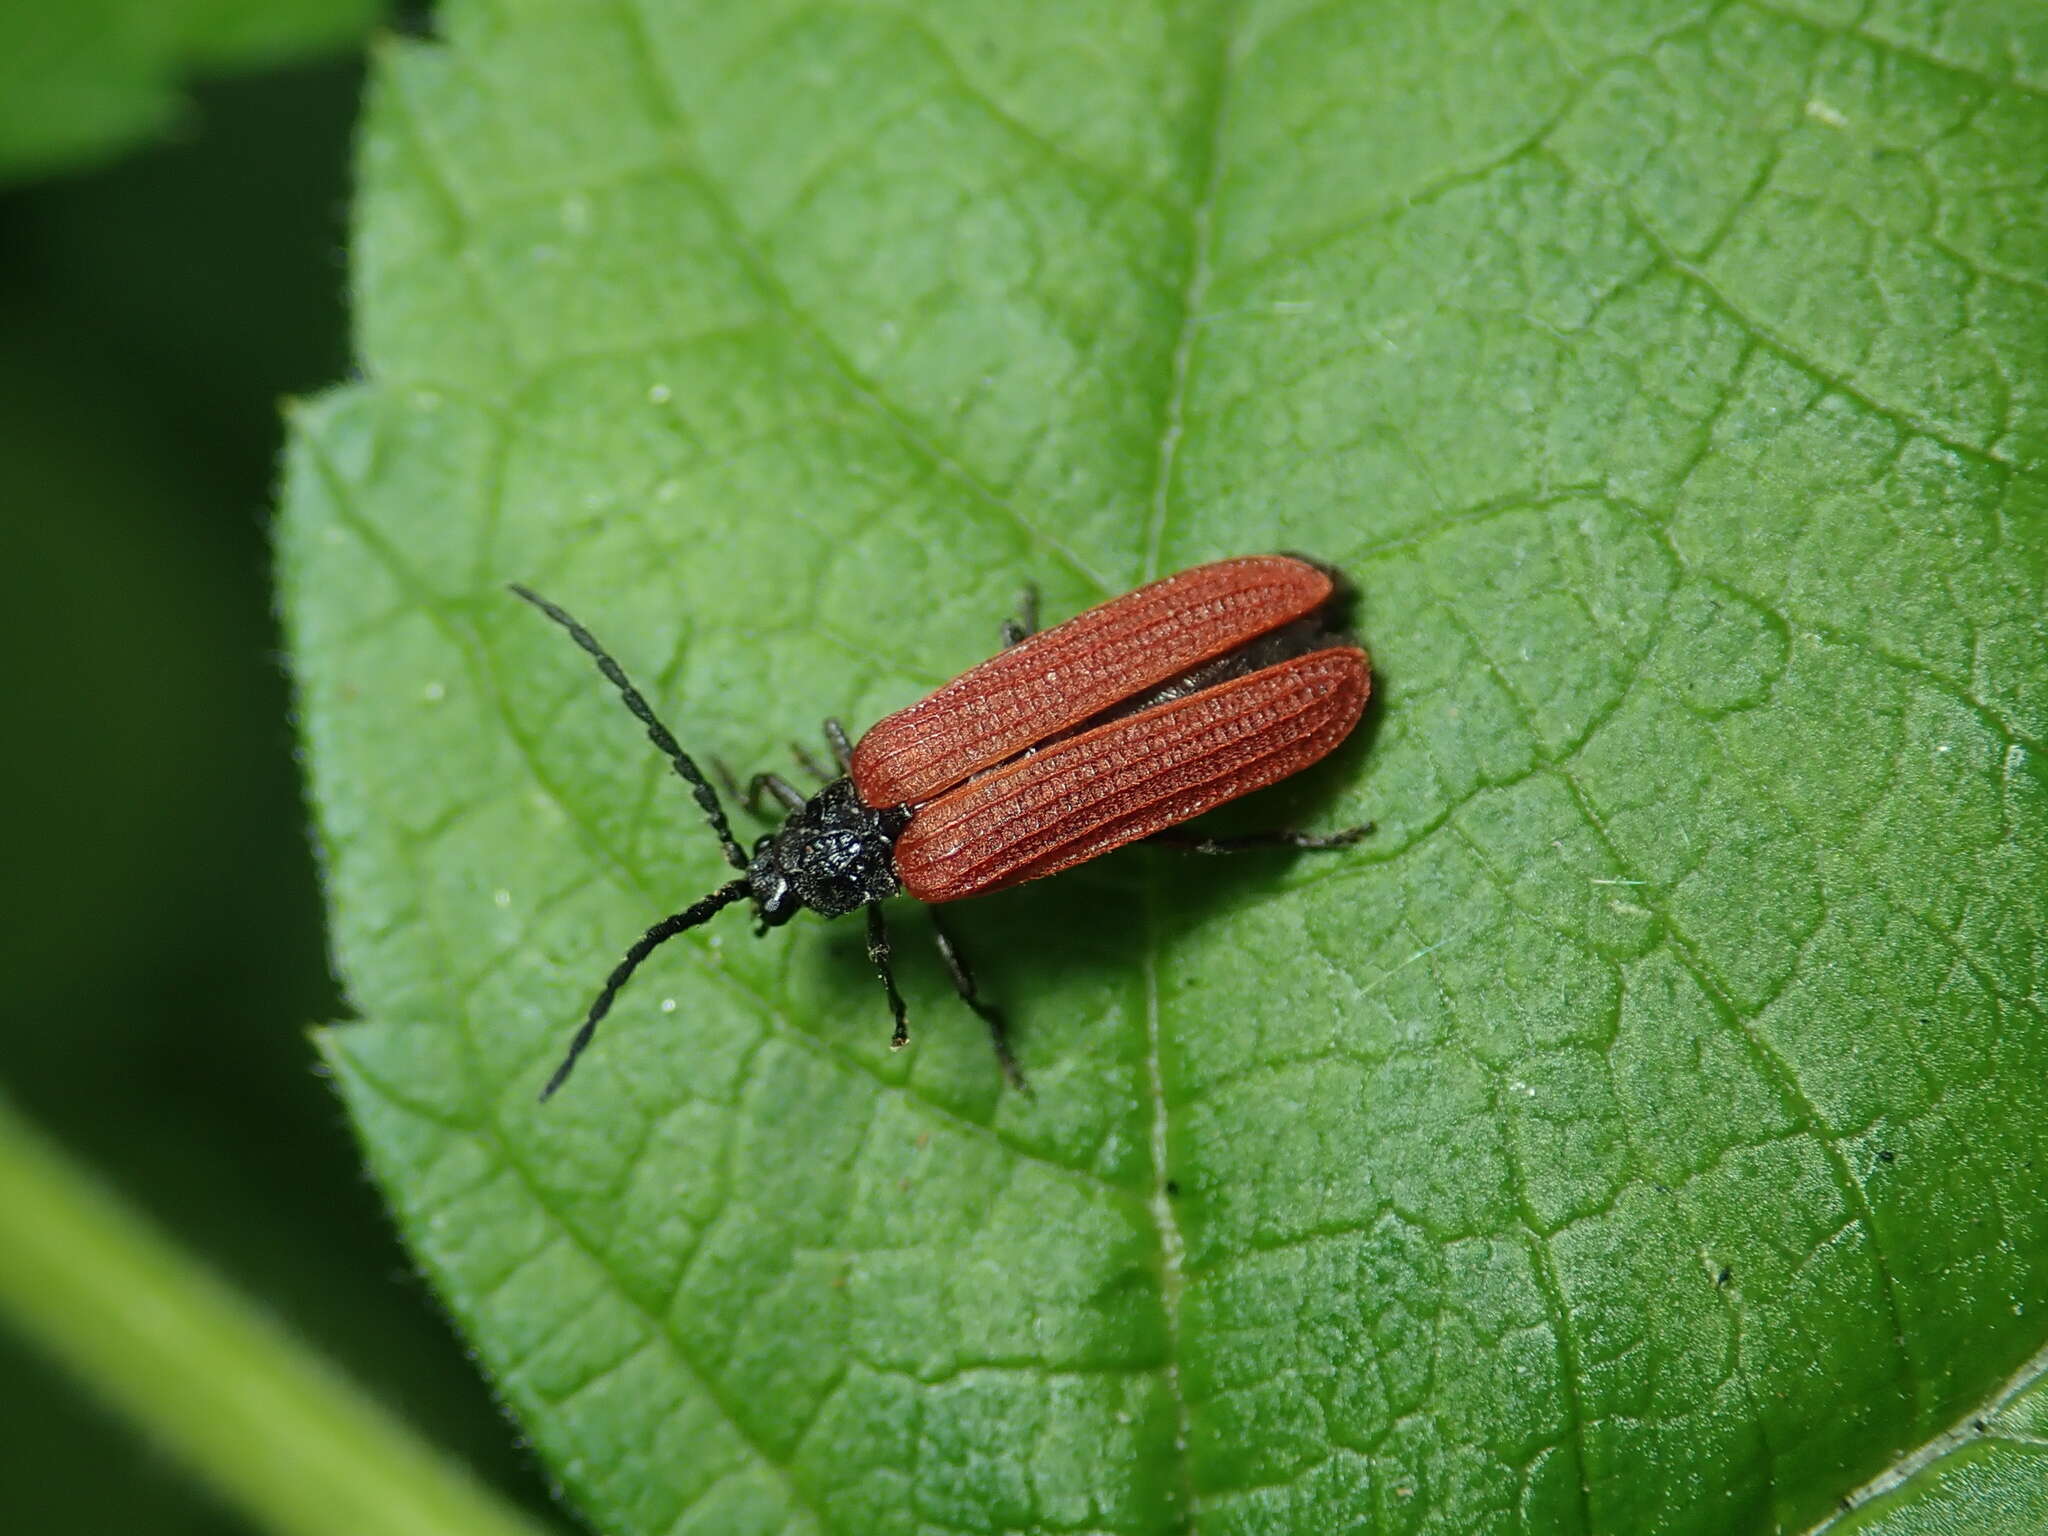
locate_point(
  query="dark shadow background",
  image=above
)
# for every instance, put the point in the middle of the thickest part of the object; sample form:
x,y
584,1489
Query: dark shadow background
x,y
162,946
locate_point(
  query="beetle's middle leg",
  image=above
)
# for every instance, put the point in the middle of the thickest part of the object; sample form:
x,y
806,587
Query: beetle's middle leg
x,y
878,957
841,745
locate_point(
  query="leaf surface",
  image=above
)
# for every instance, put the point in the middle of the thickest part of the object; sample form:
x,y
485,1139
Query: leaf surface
x,y
1639,1134
1982,1476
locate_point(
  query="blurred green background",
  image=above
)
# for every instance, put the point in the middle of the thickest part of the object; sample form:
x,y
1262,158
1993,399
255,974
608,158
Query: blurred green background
x,y
163,946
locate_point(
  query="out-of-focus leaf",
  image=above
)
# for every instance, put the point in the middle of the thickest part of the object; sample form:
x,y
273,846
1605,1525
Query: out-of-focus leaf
x,y
82,79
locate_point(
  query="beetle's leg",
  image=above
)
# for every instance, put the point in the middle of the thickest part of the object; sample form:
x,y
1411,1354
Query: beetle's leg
x,y
723,772
1174,838
841,745
810,764
749,798
1026,622
790,797
998,1026
878,957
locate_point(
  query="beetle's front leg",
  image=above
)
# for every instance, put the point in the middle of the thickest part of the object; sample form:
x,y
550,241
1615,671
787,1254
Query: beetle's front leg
x,y
878,957
786,794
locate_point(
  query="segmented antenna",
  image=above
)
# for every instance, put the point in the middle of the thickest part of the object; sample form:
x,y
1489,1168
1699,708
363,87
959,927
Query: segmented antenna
x,y
644,946
707,797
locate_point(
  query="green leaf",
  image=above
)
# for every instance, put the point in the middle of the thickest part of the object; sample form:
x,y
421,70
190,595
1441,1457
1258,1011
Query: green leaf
x,y
1985,1476
83,79
1639,1134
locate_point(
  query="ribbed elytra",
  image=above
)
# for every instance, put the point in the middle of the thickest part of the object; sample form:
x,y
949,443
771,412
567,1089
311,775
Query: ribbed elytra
x,y
1121,723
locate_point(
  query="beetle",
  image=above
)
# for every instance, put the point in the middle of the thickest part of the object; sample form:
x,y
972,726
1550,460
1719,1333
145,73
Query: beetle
x,y
1119,724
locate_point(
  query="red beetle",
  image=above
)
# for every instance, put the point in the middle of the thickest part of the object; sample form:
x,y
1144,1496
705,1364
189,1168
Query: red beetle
x,y
1119,724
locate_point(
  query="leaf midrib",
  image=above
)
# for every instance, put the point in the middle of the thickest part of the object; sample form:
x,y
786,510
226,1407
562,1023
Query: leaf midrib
x,y
1210,121
1213,119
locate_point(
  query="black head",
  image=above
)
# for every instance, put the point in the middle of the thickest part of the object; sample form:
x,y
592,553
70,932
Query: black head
x,y
834,856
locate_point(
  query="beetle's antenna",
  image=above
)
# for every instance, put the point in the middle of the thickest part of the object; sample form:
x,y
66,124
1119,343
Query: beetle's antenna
x,y
707,797
644,946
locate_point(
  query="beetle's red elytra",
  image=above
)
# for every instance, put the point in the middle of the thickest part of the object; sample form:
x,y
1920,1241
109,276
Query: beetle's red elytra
x,y
1130,779
1054,680
1120,724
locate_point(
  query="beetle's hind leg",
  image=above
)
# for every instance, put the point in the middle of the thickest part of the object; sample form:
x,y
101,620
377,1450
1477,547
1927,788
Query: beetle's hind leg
x,y
1245,843
998,1026
1026,623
